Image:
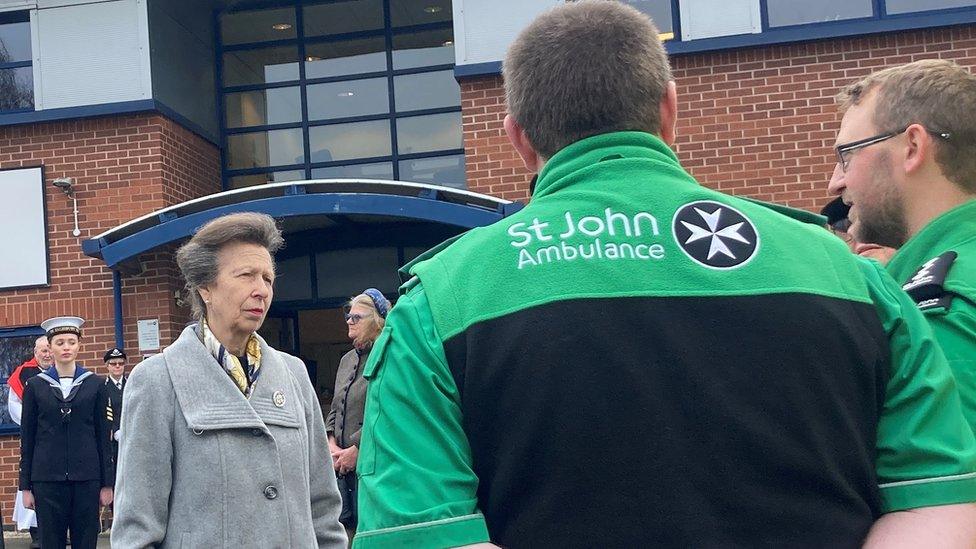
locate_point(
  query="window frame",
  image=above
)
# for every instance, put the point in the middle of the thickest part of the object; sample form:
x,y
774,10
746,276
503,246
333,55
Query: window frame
x,y
388,32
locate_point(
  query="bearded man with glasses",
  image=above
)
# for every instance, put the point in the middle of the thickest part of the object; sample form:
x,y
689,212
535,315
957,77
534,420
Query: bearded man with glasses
x,y
914,188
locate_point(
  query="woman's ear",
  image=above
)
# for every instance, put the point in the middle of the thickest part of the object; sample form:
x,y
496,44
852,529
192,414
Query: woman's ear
x,y
204,294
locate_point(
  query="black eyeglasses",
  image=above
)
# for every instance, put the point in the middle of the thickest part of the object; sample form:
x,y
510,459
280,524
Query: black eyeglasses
x,y
844,151
353,318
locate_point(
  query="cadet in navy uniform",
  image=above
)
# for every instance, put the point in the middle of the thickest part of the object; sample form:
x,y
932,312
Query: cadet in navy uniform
x,y
114,386
65,461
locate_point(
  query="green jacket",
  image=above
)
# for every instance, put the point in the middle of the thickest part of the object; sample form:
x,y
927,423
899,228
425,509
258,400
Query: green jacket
x,y
634,358
938,268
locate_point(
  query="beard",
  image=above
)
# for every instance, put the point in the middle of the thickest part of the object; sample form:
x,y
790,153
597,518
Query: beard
x,y
883,221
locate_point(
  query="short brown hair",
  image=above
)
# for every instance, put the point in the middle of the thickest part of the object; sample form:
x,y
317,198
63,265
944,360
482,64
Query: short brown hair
x,y
583,69
935,93
198,258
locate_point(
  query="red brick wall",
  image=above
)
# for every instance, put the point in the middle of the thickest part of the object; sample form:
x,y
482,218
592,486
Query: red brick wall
x,y
757,122
123,167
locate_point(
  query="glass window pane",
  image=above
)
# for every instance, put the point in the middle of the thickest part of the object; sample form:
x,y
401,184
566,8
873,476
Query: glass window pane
x,y
419,49
240,181
428,90
345,57
441,170
261,66
257,26
658,10
342,273
350,141
375,170
261,149
343,17
434,132
908,6
263,107
16,89
15,42
349,98
404,13
792,12
293,279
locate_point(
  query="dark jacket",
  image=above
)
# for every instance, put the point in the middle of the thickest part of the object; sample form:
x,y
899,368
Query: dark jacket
x,y
345,419
65,439
113,414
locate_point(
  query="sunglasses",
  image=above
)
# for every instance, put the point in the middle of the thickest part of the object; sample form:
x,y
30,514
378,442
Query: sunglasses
x,y
353,318
846,150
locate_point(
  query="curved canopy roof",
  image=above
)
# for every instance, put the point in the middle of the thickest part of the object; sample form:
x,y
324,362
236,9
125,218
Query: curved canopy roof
x,y
300,199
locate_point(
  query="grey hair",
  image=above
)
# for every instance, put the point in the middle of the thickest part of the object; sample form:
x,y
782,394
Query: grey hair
x,y
198,258
583,69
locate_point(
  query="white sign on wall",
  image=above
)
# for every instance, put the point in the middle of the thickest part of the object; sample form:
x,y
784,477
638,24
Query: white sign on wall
x,y
148,334
23,249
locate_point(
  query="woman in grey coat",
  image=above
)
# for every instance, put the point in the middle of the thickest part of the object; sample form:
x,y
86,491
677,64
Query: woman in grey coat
x,y
222,441
365,321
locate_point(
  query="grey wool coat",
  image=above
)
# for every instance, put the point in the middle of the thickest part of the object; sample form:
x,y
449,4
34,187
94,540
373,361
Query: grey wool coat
x,y
202,466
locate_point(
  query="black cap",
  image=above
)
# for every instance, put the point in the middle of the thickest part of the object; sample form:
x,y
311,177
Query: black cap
x,y
114,353
835,211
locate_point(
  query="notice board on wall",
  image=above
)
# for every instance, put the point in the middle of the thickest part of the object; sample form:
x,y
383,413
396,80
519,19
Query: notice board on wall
x,y
23,245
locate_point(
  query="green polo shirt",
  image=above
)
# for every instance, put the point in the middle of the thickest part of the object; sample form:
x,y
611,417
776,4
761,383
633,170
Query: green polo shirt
x,y
950,305
635,358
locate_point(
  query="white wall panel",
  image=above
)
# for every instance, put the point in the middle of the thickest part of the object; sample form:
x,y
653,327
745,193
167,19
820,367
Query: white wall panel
x,y
92,53
711,18
483,29
22,219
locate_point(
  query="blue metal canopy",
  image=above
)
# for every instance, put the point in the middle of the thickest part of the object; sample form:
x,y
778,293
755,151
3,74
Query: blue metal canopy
x,y
335,197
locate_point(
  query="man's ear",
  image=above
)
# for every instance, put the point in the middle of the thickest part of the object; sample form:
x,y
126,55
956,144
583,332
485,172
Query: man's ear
x,y
919,148
518,138
669,113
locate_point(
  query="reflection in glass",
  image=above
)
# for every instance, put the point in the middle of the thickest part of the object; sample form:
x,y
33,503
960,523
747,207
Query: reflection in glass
x,y
277,64
419,49
908,6
342,273
263,107
261,149
349,141
16,88
659,11
427,90
257,26
293,279
374,170
15,40
405,13
435,132
346,57
241,181
343,17
791,12
348,98
441,170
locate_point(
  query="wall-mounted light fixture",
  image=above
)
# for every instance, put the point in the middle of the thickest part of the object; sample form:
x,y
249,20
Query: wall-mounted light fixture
x,y
67,185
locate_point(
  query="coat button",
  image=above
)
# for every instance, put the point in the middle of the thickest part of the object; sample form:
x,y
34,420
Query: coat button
x,y
270,492
256,432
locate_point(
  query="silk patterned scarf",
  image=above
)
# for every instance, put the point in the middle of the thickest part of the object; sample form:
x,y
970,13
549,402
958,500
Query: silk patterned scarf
x,y
231,364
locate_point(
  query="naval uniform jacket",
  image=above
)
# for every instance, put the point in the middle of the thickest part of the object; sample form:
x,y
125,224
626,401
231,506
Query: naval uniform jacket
x,y
635,360
200,465
64,439
113,413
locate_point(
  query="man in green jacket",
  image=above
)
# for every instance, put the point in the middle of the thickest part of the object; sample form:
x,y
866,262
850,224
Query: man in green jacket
x,y
634,360
907,168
